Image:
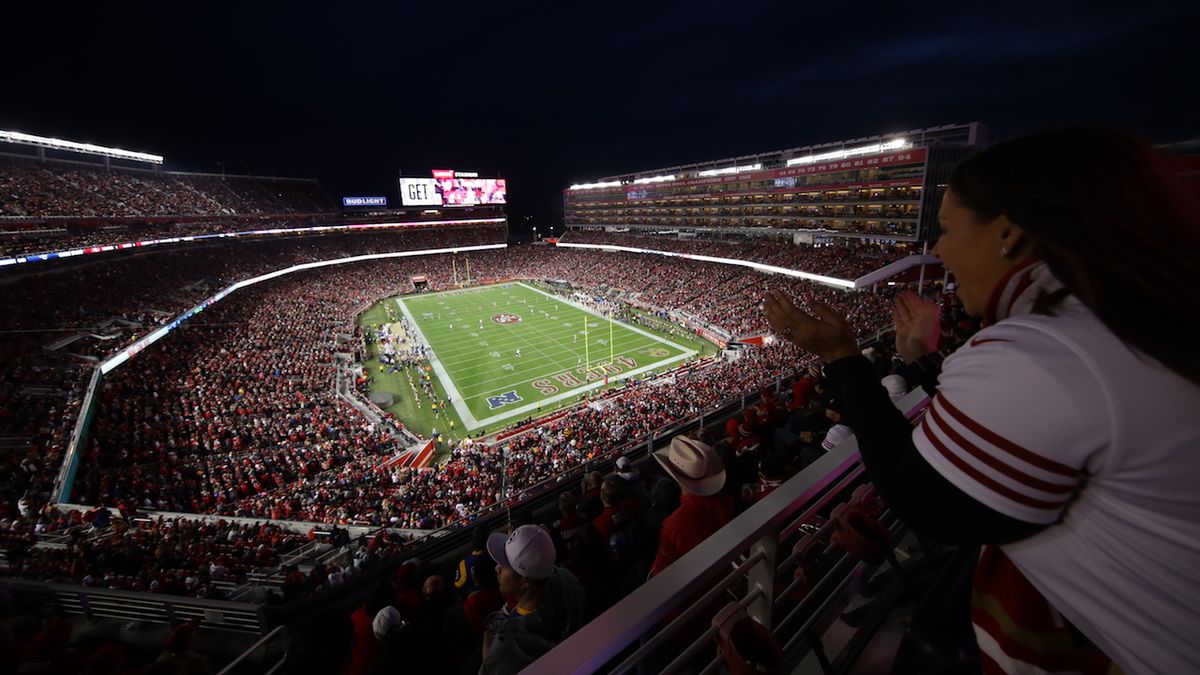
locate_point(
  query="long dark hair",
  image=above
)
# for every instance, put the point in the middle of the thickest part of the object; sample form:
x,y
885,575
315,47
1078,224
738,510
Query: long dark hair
x,y
1107,213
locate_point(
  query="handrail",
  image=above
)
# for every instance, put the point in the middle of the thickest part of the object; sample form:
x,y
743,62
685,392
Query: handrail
x,y
66,473
294,526
710,632
892,269
607,636
128,595
299,555
134,605
689,613
249,650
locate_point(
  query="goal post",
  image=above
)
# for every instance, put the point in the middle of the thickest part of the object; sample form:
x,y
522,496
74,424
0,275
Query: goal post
x,y
611,348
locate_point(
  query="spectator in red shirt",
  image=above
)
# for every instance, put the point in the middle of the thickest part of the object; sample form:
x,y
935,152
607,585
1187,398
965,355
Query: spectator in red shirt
x,y
567,530
702,511
366,647
617,513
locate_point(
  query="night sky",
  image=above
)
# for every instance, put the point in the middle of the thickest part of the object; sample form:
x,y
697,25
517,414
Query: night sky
x,y
547,94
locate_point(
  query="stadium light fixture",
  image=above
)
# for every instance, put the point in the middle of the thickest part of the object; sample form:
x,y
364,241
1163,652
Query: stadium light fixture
x,y
593,186
72,146
654,179
728,170
895,144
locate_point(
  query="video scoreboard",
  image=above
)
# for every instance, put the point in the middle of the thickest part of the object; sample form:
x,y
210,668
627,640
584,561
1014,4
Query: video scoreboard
x,y
451,188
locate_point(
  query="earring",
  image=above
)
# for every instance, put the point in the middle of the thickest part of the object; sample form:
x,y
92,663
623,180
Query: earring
x,y
1003,251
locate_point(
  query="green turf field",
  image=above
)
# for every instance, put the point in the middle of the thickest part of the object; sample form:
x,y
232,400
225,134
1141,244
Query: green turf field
x,y
476,333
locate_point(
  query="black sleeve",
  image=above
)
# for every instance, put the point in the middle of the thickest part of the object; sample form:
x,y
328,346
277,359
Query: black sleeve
x,y
924,371
928,503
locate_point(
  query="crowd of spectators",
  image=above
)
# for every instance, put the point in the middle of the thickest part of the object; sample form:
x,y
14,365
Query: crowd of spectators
x,y
107,236
478,475
19,239
235,414
49,189
607,535
241,418
848,260
887,212
177,556
50,206
241,403
60,322
725,296
879,226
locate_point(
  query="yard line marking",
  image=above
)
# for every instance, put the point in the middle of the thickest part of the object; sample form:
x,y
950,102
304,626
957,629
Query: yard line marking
x,y
464,413
635,329
532,338
545,376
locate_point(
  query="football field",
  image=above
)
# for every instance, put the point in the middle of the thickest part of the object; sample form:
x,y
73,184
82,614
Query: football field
x,y
506,350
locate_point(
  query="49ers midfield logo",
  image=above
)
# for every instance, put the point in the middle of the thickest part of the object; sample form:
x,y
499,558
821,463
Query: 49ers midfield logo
x,y
506,318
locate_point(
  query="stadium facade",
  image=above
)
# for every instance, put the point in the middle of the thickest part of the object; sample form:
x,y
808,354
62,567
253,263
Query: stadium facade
x,y
883,187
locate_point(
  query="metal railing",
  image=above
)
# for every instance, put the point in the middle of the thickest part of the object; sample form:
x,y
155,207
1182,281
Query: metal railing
x,y
232,666
740,562
100,603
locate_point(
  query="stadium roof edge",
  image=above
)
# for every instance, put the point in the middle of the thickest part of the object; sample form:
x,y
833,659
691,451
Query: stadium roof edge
x,y
47,142
973,129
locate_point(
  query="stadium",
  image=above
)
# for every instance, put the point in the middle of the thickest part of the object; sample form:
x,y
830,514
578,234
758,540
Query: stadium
x,y
731,415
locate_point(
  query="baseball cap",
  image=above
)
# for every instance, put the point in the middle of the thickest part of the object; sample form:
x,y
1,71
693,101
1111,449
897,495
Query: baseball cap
x,y
385,620
528,551
835,436
627,471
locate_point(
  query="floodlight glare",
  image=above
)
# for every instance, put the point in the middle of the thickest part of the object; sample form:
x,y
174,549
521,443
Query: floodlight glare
x,y
654,179
895,144
728,170
593,186
72,146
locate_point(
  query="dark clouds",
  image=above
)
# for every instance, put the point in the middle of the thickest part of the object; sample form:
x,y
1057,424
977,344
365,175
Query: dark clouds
x,y
558,92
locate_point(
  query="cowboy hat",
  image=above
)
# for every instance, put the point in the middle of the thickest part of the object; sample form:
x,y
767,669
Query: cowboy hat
x,y
694,465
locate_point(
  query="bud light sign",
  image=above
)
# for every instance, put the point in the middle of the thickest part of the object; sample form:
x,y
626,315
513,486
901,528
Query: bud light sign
x,y
364,201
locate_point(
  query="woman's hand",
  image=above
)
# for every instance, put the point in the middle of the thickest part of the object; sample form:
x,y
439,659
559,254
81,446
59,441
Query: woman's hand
x,y
918,326
827,334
